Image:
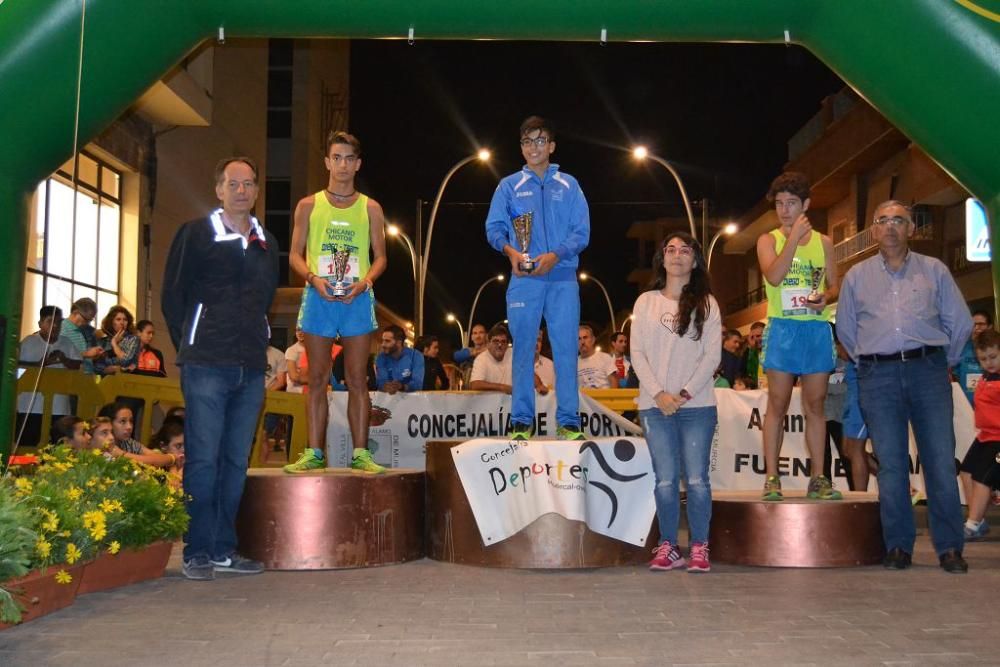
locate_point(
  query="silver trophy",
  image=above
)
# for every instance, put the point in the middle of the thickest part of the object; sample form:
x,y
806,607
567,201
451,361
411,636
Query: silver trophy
x,y
522,230
815,296
341,262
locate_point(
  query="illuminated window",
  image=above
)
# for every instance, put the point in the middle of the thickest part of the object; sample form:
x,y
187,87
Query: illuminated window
x,y
74,239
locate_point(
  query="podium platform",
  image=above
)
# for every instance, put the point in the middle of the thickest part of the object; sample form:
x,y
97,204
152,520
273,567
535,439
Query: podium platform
x,y
331,519
796,532
551,542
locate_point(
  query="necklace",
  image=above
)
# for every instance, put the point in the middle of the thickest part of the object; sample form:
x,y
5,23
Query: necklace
x,y
337,195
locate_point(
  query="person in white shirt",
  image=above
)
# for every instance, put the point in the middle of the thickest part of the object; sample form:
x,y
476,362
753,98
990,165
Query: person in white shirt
x,y
594,369
47,349
276,373
676,346
545,370
492,371
297,365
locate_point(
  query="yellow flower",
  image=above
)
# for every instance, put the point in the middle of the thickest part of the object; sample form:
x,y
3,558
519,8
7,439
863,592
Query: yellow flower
x,y
114,547
65,533
98,533
169,501
63,577
108,481
93,518
51,523
62,466
23,485
72,553
74,493
48,458
91,483
43,548
110,506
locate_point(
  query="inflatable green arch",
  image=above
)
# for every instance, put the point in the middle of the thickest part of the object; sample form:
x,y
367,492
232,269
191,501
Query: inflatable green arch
x,y
931,66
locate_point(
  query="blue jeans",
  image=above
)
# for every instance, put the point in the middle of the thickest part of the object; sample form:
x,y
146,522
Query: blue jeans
x,y
917,391
681,441
528,300
222,404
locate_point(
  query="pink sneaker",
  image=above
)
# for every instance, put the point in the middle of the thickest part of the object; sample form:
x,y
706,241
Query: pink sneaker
x,y
698,558
666,557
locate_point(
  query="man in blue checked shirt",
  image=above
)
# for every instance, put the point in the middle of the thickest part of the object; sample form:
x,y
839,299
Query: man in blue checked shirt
x,y
903,320
560,232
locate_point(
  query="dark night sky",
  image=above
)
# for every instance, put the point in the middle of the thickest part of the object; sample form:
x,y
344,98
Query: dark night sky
x,y
722,114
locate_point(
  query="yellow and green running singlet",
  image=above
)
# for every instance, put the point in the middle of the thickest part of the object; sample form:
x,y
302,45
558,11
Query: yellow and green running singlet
x,y
332,229
787,300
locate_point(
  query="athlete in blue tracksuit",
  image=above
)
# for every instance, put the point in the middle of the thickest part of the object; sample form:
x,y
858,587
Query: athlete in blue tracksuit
x,y
560,232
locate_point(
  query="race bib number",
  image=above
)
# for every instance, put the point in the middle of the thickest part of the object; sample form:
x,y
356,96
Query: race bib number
x,y
971,380
326,268
793,301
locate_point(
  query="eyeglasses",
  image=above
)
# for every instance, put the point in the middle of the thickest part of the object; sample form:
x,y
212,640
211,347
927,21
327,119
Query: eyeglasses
x,y
684,250
538,141
894,220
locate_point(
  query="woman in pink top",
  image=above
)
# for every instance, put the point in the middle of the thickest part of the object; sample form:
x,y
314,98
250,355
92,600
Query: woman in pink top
x,y
676,345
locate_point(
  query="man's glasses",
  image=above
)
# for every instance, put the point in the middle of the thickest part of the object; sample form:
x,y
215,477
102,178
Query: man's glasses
x,y
894,220
683,250
538,141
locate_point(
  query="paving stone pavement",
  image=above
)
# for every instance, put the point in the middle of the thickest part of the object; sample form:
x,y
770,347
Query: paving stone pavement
x,y
431,613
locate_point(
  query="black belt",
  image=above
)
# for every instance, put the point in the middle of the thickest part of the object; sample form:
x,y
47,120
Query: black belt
x,y
903,355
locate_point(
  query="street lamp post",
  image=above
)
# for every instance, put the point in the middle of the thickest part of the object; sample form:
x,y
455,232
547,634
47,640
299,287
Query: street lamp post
x,y
641,153
611,311
628,322
395,231
728,230
472,313
461,331
483,156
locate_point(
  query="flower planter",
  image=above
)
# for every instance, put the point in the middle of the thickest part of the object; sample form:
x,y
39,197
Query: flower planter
x,y
128,566
41,594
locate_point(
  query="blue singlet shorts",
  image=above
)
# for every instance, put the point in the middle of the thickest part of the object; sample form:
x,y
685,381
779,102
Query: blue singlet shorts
x,y
798,347
330,319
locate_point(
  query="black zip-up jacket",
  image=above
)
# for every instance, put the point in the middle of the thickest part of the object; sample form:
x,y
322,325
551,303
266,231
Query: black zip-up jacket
x,y
217,289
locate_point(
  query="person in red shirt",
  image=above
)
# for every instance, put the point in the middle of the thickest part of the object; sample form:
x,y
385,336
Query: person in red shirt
x,y
981,466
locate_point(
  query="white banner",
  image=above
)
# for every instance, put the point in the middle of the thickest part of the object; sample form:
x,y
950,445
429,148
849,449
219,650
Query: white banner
x,y
606,483
402,423
738,458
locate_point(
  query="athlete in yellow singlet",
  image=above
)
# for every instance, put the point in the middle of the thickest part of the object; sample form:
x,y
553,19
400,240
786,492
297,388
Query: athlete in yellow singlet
x,y
798,341
338,221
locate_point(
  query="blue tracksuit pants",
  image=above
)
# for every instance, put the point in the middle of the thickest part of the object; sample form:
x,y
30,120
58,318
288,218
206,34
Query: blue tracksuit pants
x,y
558,301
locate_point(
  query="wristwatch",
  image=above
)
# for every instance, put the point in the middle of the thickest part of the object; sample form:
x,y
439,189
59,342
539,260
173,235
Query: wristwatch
x,y
685,394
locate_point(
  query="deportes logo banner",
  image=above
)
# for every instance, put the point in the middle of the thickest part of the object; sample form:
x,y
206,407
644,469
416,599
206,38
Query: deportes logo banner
x,y
606,483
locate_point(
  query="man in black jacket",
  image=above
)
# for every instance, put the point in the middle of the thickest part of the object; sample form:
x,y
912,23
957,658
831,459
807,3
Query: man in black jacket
x,y
221,275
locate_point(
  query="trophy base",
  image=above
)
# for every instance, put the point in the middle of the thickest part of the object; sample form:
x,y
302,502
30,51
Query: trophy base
x,y
340,289
526,266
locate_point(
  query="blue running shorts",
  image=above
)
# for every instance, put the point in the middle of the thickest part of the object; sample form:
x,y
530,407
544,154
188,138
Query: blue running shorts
x,y
798,347
336,318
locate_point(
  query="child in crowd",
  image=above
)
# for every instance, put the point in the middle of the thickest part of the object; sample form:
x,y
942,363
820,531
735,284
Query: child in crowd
x,y
981,466
72,431
743,383
121,426
170,440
